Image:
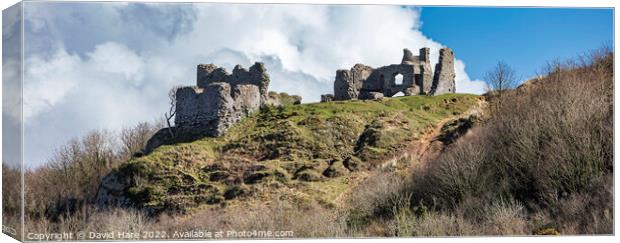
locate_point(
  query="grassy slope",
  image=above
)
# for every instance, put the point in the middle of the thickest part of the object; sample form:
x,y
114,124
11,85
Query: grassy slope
x,y
296,152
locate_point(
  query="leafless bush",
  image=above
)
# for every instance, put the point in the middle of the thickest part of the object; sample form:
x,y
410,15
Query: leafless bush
x,y
11,200
308,221
377,195
457,174
71,177
90,219
134,139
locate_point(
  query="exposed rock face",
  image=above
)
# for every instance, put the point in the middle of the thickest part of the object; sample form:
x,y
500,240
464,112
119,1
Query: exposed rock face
x,y
220,99
443,82
413,76
111,190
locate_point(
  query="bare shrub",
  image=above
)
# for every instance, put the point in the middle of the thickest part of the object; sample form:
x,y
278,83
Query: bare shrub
x,y
70,179
504,218
11,201
11,198
119,220
90,219
557,139
461,172
309,221
134,139
438,223
377,195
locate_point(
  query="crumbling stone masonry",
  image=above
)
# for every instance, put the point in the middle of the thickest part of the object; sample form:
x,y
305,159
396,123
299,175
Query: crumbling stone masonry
x,y
443,81
220,99
412,76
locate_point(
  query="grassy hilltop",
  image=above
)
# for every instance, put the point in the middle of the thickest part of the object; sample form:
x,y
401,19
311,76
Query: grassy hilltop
x,y
307,152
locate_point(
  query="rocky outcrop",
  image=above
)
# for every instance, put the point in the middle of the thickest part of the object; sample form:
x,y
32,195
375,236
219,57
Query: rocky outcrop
x,y
411,77
111,191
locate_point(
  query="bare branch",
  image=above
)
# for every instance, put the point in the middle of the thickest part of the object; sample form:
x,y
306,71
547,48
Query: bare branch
x,y
172,95
501,78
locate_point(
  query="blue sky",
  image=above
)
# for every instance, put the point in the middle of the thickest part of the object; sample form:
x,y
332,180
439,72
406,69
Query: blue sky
x,y
525,38
110,65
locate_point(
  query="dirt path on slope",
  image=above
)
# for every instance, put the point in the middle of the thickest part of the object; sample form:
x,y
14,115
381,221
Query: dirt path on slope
x,y
417,153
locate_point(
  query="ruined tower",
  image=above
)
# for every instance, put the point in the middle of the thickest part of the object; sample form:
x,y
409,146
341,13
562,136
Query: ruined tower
x,y
220,99
443,81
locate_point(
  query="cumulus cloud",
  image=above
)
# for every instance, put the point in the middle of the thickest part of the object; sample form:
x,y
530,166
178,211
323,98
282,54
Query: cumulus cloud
x,y
107,65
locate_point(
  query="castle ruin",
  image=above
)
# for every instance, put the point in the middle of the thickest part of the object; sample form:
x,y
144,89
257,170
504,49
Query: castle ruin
x,y
220,99
412,76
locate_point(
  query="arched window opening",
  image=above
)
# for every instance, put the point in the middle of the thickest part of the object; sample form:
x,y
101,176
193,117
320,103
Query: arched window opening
x,y
398,79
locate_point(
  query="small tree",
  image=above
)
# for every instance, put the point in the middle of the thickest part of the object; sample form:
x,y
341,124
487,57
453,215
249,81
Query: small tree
x,y
501,78
172,95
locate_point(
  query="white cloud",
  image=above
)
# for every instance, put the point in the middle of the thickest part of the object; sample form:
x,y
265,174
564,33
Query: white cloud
x,y
115,58
11,88
464,84
48,81
118,70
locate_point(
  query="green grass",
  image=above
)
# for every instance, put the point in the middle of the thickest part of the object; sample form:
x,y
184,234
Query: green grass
x,y
285,145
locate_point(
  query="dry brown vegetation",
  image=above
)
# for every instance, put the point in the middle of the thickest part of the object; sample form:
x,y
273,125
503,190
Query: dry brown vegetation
x,y
540,163
61,190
